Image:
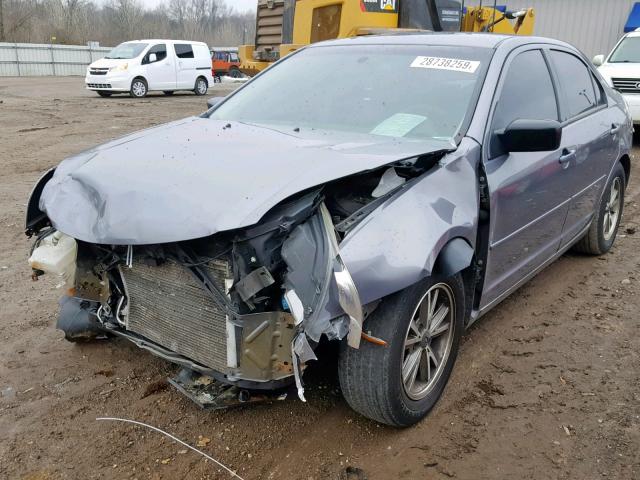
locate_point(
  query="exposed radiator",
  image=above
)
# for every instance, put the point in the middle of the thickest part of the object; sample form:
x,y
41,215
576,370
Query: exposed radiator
x,y
169,307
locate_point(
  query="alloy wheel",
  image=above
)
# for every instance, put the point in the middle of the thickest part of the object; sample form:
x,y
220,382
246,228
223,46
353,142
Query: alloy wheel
x,y
139,89
612,210
428,341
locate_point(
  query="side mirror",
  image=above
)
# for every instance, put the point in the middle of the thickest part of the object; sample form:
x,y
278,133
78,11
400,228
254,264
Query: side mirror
x,y
598,60
531,136
153,58
213,101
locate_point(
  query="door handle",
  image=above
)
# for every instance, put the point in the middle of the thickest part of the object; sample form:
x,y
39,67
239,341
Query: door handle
x,y
615,128
566,157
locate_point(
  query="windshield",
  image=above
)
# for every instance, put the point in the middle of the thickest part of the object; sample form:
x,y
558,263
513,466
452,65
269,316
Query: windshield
x,y
127,50
628,51
411,91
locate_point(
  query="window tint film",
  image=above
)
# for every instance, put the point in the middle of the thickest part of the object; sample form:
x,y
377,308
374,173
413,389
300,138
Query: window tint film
x,y
575,82
527,93
183,50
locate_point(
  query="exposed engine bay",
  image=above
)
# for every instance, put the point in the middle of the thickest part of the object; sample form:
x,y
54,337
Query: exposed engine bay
x,y
245,306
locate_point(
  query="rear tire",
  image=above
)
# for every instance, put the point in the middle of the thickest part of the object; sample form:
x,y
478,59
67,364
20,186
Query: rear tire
x,y
235,73
377,381
139,88
602,233
201,86
105,94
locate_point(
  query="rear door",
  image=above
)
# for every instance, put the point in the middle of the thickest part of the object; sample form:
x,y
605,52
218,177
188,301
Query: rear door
x,y
202,58
161,73
185,65
588,138
527,189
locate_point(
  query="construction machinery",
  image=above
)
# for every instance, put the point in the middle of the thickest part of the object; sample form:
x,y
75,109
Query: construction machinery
x,y
283,26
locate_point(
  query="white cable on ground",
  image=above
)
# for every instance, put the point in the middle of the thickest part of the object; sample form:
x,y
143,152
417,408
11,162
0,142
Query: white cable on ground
x,y
173,438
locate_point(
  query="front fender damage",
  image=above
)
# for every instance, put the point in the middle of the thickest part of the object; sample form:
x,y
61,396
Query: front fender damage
x,y
314,269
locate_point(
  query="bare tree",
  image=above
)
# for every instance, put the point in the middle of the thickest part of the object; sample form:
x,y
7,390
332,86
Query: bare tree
x,y
78,21
1,20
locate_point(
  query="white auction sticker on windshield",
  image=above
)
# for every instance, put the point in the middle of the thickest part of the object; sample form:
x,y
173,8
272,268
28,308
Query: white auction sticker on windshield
x,y
441,63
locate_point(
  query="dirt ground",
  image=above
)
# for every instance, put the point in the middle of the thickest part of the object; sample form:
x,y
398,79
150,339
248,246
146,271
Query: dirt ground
x,y
546,386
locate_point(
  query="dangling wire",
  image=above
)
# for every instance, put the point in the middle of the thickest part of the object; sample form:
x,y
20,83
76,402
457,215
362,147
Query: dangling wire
x,y
156,429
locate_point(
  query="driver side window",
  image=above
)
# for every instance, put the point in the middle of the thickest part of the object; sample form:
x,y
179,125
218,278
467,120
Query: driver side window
x,y
161,53
527,93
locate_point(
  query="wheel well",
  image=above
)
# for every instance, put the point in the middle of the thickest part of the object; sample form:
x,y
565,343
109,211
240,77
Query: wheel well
x,y
457,257
139,77
626,164
454,257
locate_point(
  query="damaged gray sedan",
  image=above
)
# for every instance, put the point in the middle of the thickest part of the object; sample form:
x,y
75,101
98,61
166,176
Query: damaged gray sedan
x,y
383,192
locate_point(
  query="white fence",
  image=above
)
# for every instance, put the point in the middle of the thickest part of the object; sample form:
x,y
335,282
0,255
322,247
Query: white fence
x,y
35,59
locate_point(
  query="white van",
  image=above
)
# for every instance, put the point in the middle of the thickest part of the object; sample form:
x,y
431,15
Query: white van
x,y
140,66
621,69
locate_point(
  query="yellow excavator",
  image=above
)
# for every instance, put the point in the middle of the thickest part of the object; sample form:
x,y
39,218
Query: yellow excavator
x,y
283,26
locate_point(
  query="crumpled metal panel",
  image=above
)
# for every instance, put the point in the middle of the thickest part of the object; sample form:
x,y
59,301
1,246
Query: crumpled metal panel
x,y
266,345
398,243
195,177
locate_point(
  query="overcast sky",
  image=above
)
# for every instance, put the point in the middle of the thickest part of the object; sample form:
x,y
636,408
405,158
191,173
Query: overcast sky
x,y
240,5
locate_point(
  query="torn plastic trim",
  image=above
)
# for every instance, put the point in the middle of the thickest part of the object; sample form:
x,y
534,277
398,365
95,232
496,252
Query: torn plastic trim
x,y
313,258
301,353
349,300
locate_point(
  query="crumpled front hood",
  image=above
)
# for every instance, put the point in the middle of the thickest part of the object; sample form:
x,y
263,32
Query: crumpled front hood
x,y
198,176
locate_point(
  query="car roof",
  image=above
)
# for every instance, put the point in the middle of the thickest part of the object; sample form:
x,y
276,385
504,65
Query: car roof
x,y
164,40
481,40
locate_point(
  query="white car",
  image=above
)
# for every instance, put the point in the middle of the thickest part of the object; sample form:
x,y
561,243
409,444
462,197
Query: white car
x,y
140,66
621,70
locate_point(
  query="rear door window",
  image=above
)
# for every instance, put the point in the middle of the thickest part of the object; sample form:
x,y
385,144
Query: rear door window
x,y
527,93
576,84
183,50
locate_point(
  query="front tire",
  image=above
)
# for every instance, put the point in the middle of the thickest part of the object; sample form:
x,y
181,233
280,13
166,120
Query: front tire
x,y
604,227
400,383
201,87
138,88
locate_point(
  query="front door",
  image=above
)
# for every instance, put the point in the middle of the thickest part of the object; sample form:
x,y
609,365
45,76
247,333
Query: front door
x,y
186,65
161,73
527,189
